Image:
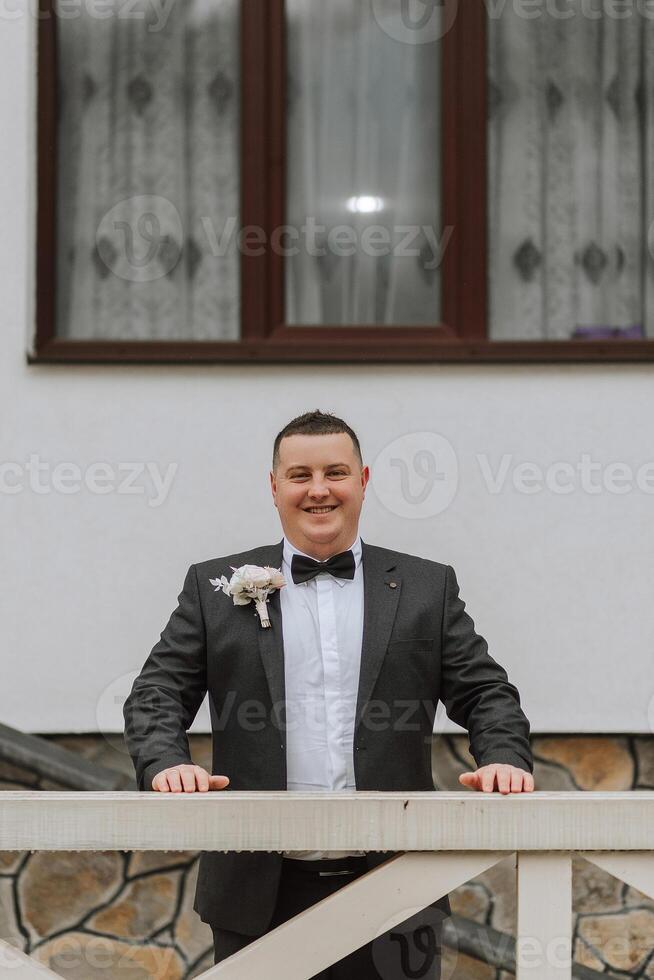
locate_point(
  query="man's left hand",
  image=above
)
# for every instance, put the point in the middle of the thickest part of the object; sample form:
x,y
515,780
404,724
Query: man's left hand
x,y
507,779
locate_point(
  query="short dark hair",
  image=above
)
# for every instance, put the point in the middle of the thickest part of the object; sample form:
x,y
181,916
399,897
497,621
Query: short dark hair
x,y
315,423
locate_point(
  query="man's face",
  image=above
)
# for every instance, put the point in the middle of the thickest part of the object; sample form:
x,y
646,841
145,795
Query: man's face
x,y
318,489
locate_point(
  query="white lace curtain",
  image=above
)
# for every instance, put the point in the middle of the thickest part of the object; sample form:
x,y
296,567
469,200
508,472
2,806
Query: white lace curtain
x,y
149,171
571,179
364,132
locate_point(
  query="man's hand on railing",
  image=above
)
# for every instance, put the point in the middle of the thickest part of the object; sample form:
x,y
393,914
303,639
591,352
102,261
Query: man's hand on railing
x,y
187,779
509,779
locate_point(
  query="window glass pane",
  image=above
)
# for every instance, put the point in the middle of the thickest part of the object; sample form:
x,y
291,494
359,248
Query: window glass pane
x,y
148,171
363,178
570,132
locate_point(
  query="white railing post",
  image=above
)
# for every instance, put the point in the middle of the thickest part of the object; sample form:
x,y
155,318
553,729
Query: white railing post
x,y
544,941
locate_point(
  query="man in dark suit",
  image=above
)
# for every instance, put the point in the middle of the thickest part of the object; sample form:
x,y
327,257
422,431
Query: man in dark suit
x,y
345,695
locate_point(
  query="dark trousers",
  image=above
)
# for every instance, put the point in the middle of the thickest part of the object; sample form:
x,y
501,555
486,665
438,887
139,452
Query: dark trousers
x,y
409,950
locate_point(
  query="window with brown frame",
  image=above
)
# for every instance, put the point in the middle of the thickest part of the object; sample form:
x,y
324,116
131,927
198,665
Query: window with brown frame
x,y
295,180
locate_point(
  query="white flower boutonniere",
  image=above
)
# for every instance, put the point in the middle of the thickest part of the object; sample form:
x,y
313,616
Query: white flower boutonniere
x,y
251,583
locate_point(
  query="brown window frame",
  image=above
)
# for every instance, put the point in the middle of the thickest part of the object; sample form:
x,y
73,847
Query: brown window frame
x,y
265,337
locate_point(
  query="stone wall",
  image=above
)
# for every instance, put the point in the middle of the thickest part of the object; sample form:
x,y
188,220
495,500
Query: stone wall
x,y
99,915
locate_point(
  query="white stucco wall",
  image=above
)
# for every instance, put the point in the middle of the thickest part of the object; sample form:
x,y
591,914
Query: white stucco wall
x,y
559,583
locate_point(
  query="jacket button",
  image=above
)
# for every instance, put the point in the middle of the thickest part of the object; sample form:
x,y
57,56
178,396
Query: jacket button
x,y
393,585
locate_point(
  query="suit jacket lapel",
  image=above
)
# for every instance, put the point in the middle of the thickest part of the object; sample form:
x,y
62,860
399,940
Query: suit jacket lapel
x,y
380,600
271,641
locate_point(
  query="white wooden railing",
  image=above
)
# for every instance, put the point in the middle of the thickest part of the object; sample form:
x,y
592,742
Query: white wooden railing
x,y
447,839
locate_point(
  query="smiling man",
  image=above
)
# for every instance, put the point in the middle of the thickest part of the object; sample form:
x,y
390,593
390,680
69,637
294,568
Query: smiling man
x,y
358,634
318,486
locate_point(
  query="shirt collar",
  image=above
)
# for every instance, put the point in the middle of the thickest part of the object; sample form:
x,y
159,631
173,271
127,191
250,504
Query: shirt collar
x,y
290,550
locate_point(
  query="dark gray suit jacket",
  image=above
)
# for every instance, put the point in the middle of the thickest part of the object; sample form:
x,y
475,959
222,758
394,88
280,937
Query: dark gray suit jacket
x,y
419,647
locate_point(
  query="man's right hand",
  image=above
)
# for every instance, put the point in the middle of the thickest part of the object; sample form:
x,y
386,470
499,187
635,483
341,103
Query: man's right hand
x,y
187,779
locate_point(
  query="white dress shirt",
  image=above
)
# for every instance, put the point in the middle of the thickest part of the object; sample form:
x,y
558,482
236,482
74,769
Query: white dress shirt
x,y
322,623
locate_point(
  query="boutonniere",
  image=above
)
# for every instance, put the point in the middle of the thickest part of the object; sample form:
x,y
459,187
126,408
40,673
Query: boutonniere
x,y
251,583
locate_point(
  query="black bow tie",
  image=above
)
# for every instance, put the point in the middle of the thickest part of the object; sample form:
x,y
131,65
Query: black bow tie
x,y
340,566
